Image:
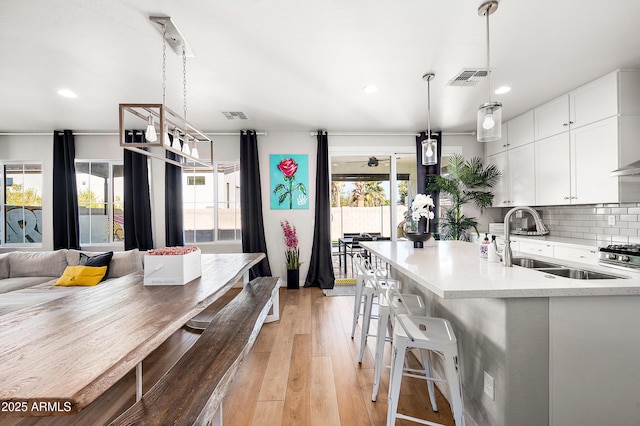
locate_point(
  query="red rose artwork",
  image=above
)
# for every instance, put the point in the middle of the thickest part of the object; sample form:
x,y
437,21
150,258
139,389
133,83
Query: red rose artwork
x,y
286,190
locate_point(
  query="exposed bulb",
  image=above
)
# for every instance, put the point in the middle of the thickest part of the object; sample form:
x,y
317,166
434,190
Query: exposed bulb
x,y
429,150
176,138
488,122
150,135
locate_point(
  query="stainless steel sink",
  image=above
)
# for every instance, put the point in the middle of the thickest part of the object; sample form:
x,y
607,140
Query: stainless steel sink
x,y
577,274
526,262
559,270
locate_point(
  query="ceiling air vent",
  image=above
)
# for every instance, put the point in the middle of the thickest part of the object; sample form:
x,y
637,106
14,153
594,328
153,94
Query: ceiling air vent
x,y
468,77
233,115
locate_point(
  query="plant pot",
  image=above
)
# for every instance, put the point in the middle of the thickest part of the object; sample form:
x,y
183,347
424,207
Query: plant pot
x,y
293,279
418,238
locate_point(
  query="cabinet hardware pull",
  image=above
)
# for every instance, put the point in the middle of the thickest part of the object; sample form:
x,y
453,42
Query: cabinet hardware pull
x,y
565,124
566,198
571,122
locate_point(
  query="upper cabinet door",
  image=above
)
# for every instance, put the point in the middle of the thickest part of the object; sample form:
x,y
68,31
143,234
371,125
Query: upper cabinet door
x,y
552,118
594,151
553,170
522,176
594,101
491,148
521,130
501,190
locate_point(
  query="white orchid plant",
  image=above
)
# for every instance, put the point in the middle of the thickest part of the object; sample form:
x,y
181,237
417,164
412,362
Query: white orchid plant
x,y
421,206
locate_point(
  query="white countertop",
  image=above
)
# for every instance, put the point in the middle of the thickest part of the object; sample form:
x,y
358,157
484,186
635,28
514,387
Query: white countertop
x,y
454,270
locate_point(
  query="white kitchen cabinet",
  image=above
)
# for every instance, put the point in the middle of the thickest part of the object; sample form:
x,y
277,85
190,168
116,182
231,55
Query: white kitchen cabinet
x,y
501,145
552,118
553,170
501,190
594,101
520,130
516,186
522,175
575,254
587,104
536,247
575,167
594,154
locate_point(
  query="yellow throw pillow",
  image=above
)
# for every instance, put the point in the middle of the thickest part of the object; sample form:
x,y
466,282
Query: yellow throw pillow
x,y
82,275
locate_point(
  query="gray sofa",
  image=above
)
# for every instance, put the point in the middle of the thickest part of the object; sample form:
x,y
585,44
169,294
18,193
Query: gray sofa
x,y
28,278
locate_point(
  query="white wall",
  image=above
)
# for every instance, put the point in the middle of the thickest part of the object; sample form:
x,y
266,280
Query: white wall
x,y
227,148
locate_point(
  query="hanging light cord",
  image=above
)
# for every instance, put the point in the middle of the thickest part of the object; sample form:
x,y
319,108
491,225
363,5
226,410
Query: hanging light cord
x,y
488,54
429,108
184,84
164,64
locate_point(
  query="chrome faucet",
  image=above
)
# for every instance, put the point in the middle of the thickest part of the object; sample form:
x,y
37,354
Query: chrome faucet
x,y
540,230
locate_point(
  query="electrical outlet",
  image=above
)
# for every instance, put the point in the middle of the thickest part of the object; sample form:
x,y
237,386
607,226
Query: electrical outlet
x,y
611,220
489,387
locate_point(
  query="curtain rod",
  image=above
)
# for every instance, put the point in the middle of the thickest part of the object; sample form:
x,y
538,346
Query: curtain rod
x,y
113,133
393,134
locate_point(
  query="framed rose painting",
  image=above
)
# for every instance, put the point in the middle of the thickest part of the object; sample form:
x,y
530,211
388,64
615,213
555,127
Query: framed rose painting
x,y
289,181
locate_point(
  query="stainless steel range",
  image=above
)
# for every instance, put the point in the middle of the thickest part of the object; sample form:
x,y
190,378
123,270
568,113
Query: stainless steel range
x,y
620,255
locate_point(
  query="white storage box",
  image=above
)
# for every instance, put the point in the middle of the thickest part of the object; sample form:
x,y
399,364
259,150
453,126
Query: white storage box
x,y
172,269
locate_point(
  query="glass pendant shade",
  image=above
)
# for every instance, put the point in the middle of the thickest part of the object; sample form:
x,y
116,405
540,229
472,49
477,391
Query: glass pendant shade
x,y
429,152
489,127
194,150
150,133
185,147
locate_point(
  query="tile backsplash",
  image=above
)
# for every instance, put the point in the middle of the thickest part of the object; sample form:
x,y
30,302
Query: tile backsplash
x,y
591,222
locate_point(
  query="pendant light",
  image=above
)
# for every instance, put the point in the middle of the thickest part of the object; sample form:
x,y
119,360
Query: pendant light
x,y
150,134
489,126
429,146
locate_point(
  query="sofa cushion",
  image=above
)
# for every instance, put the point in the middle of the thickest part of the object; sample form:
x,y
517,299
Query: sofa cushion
x,y
4,266
103,259
82,275
124,263
37,263
8,285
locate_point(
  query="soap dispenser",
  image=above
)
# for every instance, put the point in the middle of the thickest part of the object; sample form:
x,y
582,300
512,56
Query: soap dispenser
x,y
493,251
484,248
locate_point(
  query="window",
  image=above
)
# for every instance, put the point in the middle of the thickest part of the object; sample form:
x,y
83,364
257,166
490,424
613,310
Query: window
x,y
22,198
100,201
212,203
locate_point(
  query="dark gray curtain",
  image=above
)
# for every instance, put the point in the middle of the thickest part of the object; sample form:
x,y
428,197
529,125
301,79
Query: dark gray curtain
x,y
321,265
66,228
253,240
137,203
173,207
424,173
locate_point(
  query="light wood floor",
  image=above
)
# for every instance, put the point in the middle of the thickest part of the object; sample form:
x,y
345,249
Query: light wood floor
x,y
304,370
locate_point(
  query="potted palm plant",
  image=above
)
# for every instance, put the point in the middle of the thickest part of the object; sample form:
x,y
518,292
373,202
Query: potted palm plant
x,y
292,254
465,181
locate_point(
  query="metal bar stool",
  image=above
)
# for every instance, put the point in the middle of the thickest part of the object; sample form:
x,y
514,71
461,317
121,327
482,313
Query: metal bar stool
x,y
364,291
411,304
435,335
373,289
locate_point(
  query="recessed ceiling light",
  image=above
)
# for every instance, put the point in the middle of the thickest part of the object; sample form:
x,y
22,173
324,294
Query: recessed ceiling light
x,y
502,90
369,89
67,93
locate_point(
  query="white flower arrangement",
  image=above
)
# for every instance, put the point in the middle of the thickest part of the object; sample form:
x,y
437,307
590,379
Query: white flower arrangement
x,y
421,207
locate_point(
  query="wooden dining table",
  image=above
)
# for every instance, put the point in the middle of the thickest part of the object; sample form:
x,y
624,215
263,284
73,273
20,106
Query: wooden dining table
x,y
58,357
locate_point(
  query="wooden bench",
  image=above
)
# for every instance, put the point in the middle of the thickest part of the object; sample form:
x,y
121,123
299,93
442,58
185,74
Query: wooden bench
x,y
191,392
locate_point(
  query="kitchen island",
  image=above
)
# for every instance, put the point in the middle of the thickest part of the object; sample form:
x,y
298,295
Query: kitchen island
x,y
561,351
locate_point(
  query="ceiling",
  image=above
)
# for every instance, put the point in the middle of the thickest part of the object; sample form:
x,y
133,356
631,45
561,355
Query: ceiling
x,y
294,65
